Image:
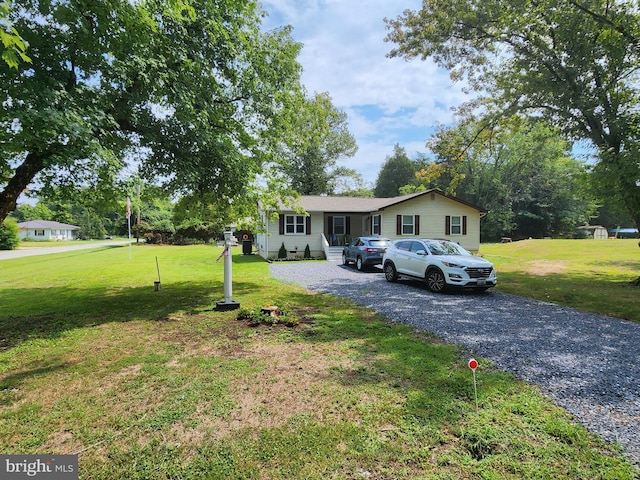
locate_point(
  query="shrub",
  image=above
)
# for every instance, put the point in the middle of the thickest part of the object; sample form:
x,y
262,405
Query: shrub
x,y
9,235
195,231
282,253
268,316
307,252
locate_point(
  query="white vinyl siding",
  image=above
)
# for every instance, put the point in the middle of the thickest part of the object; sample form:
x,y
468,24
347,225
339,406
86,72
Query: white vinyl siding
x,y
432,213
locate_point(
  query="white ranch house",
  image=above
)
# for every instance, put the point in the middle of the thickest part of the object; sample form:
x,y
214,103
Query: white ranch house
x,y
331,222
46,230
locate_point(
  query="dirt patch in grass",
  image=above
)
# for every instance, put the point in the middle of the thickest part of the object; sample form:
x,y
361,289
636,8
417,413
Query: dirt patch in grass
x,y
291,379
291,383
542,268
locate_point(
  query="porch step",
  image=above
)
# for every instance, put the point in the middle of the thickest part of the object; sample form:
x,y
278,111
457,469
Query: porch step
x,y
335,254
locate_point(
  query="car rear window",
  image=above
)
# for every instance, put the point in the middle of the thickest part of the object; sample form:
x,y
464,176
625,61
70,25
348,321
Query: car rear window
x,y
379,243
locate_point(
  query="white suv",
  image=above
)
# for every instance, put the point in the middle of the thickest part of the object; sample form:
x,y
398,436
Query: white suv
x,y
440,263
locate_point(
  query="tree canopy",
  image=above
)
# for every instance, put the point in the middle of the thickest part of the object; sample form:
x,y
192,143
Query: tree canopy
x,y
192,94
396,171
573,62
318,139
12,46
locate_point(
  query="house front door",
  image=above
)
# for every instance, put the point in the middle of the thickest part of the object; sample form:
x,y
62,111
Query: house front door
x,y
339,229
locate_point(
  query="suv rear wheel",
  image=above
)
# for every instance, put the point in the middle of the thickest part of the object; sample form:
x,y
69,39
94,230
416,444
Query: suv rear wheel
x,y
359,263
390,272
435,280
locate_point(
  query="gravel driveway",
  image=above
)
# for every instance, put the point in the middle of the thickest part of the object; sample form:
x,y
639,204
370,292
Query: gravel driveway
x,y
587,363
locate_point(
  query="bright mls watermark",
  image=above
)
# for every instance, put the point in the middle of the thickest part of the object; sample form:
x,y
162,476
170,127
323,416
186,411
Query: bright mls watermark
x,y
49,467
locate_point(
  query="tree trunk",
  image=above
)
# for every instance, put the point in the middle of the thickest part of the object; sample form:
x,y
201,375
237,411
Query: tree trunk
x,y
23,176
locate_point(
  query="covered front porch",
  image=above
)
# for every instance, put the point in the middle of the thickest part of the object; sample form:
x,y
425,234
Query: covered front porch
x,y
341,227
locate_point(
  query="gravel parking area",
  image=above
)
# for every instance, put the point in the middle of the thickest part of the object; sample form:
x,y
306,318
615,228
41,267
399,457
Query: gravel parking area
x,y
587,363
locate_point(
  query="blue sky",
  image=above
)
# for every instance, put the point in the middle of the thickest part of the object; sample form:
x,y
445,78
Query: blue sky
x,y
387,101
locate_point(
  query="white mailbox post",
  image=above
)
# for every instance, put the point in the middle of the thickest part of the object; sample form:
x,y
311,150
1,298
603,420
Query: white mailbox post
x,y
229,241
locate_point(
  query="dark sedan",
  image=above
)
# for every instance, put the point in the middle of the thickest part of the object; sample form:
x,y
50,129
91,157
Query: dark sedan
x,y
365,251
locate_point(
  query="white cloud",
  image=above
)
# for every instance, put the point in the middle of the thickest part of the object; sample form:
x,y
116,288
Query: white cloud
x,y
387,100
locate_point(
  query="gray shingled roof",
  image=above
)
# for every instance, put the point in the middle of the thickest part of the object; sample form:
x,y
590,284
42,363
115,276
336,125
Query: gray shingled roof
x,y
319,203
46,224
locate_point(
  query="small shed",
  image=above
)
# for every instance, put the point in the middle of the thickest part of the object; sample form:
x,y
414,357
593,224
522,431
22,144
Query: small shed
x,y
597,232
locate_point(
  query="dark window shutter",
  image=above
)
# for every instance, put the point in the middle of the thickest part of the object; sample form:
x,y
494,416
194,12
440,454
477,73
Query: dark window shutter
x,y
347,227
417,225
281,220
330,221
464,225
308,220
379,225
447,225
398,224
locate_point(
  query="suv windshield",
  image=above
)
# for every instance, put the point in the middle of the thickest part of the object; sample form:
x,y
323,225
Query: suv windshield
x,y
446,248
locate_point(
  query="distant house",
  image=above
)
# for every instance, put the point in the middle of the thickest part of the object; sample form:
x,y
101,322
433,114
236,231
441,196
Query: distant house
x,y
331,222
46,230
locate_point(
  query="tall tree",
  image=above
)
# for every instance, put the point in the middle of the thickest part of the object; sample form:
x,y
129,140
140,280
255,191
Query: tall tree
x,y
396,171
192,91
319,138
572,61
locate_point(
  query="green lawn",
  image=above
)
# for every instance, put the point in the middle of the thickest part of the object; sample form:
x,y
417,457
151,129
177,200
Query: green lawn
x,y
158,385
593,275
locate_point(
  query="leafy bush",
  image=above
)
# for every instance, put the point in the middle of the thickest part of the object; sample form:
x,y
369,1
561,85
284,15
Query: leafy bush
x,y
195,231
9,235
264,316
307,252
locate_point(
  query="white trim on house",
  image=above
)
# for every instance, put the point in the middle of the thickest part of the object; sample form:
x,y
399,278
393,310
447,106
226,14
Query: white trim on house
x,y
433,214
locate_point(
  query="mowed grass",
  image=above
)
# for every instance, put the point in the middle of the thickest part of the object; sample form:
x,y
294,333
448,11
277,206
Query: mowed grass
x,y
592,275
145,384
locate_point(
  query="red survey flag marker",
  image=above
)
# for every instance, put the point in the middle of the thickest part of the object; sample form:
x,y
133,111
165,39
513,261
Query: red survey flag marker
x,y
473,364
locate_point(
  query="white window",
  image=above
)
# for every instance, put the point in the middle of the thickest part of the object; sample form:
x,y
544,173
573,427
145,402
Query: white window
x,y
294,225
456,225
39,233
408,225
375,225
339,227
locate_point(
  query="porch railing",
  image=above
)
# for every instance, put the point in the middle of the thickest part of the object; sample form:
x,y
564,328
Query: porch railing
x,y
325,245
